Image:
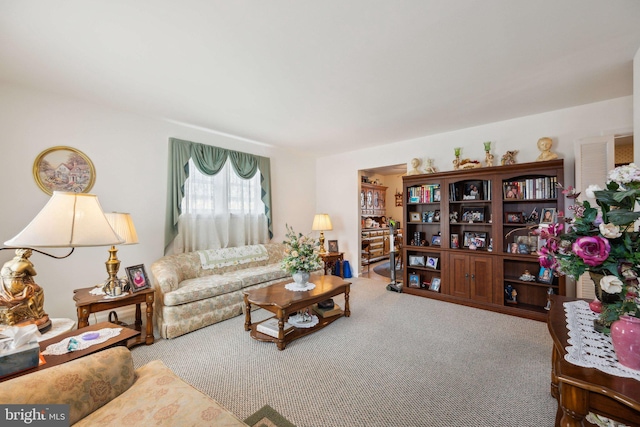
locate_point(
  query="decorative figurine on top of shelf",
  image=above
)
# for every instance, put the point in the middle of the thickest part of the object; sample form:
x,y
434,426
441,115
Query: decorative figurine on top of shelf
x,y
469,164
509,158
415,163
544,145
527,277
488,157
430,168
456,161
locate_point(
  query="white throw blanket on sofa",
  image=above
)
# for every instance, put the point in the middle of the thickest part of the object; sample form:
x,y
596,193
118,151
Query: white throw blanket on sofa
x,y
214,258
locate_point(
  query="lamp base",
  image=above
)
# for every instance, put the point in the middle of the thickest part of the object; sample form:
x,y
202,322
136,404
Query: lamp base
x,y
43,324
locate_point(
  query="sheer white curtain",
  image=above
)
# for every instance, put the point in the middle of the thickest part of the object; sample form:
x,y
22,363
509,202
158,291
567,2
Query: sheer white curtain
x,y
220,211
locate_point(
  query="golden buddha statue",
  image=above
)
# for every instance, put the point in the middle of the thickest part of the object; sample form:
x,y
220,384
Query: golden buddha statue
x,y
21,299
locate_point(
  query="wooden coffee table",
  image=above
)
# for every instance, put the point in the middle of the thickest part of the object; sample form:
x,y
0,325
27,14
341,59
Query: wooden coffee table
x,y
283,302
53,359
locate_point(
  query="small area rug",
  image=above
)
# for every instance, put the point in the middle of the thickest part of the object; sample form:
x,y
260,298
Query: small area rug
x,y
267,417
384,270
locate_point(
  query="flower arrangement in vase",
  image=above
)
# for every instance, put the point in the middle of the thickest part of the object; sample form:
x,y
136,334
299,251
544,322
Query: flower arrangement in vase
x,y
601,241
301,255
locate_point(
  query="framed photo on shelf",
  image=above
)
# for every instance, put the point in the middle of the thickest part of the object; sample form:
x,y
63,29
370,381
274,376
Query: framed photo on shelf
x,y
473,190
414,280
138,279
432,262
545,275
455,242
513,218
548,216
435,284
333,246
427,216
416,260
472,214
414,217
435,240
477,239
436,194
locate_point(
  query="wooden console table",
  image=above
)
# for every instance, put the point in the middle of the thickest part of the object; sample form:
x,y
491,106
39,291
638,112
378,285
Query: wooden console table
x,y
87,304
582,390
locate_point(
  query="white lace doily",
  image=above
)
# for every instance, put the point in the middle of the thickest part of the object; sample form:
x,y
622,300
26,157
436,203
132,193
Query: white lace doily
x,y
589,348
294,321
293,286
62,347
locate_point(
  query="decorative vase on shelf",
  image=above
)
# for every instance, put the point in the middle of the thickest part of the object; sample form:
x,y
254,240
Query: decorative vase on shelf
x,y
301,278
625,336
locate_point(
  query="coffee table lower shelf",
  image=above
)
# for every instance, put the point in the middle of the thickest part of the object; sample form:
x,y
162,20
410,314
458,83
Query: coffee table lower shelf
x,y
293,335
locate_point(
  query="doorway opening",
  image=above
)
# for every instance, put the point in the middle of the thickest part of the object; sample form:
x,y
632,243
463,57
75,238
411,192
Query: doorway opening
x,y
380,202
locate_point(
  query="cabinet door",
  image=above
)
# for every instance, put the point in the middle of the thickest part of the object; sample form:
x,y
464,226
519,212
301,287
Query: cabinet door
x,y
459,279
481,278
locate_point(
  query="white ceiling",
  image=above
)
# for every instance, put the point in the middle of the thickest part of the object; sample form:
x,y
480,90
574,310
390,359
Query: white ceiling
x,y
324,76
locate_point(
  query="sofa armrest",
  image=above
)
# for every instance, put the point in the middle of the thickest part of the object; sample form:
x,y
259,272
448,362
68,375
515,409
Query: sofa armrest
x,y
85,384
167,274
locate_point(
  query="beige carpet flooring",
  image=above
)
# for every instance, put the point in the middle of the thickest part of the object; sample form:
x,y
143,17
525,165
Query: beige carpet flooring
x,y
399,360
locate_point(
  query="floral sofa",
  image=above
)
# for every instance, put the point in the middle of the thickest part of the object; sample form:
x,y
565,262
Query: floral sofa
x,y
103,389
198,289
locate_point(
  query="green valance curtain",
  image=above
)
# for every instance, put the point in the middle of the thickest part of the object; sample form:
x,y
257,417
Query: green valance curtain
x,y
209,160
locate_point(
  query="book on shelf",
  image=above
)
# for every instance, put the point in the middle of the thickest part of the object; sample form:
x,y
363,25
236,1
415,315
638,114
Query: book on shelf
x,y
327,312
270,327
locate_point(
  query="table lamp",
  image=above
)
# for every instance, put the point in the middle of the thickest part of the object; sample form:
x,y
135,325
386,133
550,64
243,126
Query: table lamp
x,y
68,220
322,223
122,224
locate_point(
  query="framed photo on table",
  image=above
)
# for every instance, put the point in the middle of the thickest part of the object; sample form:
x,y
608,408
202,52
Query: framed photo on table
x,y
138,279
333,246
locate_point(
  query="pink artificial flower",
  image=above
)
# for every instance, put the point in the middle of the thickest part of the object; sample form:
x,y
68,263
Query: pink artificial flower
x,y
547,261
593,250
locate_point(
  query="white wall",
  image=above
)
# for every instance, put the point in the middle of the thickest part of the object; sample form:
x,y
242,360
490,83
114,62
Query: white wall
x,y
563,126
129,152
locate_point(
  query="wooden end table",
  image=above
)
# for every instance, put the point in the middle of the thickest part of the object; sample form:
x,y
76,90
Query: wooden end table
x,y
87,304
582,390
58,359
283,302
330,259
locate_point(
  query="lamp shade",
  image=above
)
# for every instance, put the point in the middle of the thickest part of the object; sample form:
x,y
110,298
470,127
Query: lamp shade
x,y
122,224
321,222
68,220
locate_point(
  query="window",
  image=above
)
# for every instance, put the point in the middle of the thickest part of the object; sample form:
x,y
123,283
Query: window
x,y
220,210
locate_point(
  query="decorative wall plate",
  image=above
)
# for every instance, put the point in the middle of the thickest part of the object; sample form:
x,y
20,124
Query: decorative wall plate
x,y
64,169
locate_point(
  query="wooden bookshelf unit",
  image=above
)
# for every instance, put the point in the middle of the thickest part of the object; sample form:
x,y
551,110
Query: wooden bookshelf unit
x,y
478,226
